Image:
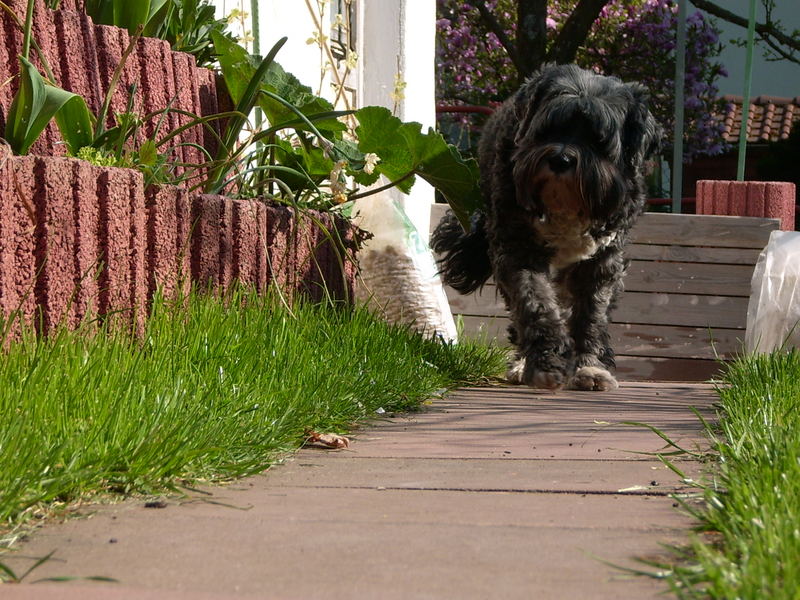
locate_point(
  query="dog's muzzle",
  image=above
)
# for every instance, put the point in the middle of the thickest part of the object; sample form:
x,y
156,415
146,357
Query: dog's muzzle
x,y
561,163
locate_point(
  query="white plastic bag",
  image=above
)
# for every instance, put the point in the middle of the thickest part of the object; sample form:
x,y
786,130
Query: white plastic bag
x,y
773,312
399,274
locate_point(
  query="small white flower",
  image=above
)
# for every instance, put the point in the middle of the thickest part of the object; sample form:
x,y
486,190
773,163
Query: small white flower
x,y
370,160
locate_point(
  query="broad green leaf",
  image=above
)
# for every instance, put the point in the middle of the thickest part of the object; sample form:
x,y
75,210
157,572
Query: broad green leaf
x,y
379,132
148,153
403,149
309,160
75,122
36,103
239,68
161,12
131,13
288,87
101,11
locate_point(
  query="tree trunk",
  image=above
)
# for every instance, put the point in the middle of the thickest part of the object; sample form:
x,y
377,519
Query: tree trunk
x,y
531,36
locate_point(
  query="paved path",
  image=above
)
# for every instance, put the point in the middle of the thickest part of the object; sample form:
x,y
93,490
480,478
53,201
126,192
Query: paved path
x,y
490,493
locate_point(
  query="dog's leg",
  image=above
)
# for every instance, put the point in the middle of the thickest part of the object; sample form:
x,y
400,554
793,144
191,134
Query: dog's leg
x,y
592,286
538,329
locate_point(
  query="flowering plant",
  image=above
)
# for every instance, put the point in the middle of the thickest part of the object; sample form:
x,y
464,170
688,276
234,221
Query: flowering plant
x,y
632,39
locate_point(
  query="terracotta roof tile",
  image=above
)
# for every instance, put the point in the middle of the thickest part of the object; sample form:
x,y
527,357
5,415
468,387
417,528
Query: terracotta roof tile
x,y
769,118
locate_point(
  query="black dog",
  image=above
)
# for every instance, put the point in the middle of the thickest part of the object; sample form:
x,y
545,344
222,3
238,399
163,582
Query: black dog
x,y
562,177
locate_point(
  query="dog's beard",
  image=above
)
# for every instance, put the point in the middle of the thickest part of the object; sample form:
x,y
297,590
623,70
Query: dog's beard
x,y
590,189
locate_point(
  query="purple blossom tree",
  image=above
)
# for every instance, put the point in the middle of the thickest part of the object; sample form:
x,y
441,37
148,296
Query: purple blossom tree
x,y
633,39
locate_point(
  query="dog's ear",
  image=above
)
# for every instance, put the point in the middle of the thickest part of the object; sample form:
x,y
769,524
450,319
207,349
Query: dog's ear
x,y
528,99
641,135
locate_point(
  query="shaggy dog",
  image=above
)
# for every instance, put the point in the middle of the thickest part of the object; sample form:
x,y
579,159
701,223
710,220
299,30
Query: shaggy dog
x,y
562,170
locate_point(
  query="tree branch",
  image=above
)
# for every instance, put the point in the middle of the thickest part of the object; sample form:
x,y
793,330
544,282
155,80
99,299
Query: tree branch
x,y
767,31
493,25
575,30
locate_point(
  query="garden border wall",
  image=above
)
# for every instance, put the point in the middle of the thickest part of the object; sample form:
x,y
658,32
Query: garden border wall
x,y
77,240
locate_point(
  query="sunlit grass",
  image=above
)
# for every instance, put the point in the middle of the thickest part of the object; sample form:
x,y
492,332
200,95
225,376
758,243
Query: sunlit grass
x,y
213,390
749,544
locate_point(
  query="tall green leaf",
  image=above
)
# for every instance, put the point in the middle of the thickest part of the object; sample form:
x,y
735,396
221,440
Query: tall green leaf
x,y
36,103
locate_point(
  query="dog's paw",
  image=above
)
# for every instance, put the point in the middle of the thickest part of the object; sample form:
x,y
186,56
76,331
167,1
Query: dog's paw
x,y
548,380
519,375
548,377
593,379
516,370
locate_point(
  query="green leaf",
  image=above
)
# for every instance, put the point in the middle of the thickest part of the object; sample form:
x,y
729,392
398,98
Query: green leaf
x,y
309,160
131,13
36,103
403,149
239,70
148,153
238,66
75,123
288,87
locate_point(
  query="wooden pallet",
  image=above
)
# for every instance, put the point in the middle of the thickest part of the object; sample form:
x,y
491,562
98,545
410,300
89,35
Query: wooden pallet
x,y
685,299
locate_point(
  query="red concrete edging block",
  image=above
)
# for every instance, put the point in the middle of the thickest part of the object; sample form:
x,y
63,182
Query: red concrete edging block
x,y
281,248
208,217
17,240
123,284
346,267
208,105
110,46
88,254
168,250
76,54
246,239
188,99
150,55
770,199
56,240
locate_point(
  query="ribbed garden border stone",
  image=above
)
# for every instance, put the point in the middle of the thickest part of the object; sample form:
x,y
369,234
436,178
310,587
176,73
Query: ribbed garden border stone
x,y
78,239
770,199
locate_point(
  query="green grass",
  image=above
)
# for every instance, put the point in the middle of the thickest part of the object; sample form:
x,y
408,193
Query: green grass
x,y
749,547
209,392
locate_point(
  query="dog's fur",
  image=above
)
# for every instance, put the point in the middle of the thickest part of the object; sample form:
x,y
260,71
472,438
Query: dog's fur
x,y
562,177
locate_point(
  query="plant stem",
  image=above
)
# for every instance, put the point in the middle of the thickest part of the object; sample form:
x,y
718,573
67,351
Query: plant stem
x,y
383,188
26,40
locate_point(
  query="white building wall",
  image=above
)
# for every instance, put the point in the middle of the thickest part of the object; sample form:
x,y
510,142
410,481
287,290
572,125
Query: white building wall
x,y
398,37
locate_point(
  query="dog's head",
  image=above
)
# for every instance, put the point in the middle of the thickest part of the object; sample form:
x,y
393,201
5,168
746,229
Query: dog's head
x,y
581,142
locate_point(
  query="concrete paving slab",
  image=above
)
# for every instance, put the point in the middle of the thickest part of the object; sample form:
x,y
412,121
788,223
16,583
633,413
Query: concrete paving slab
x,y
83,590
509,474
454,501
517,422
292,543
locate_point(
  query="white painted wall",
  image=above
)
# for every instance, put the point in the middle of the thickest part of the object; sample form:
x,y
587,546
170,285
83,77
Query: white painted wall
x,y
400,36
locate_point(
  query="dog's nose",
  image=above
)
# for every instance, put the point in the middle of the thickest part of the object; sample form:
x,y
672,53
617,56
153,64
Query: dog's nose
x,y
561,163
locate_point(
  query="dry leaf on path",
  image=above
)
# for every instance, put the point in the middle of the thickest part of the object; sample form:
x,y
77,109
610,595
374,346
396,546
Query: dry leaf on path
x,y
328,440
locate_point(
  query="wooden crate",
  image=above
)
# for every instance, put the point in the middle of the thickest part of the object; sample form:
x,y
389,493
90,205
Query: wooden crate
x,y
685,300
